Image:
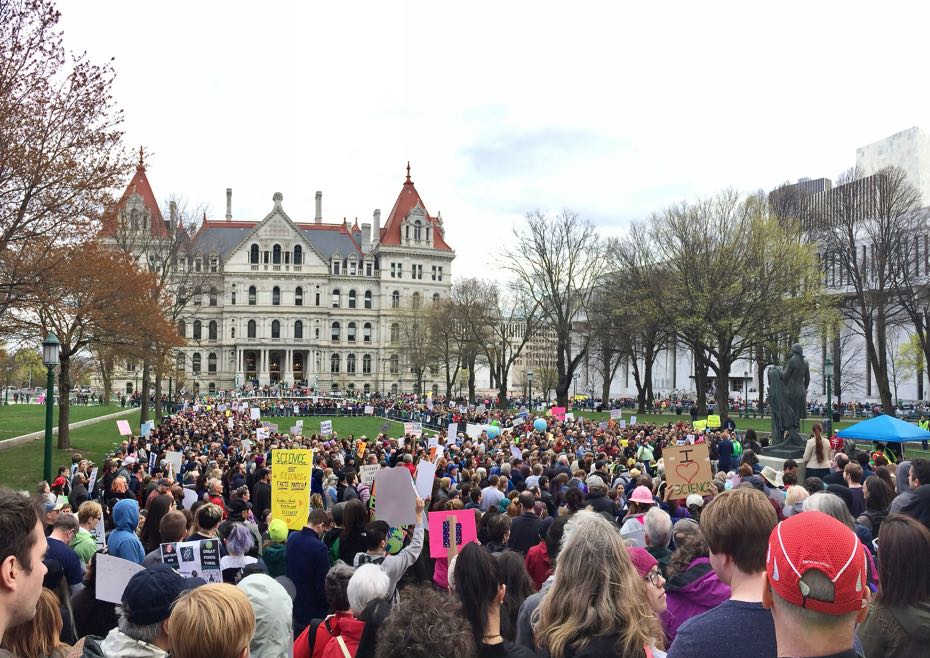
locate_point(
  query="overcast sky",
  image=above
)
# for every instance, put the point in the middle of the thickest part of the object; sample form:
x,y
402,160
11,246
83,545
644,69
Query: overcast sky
x,y
612,110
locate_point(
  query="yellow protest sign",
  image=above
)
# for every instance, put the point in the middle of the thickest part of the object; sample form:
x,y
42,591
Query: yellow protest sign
x,y
360,448
290,486
713,420
700,425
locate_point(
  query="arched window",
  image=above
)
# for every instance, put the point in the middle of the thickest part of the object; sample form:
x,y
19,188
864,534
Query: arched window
x,y
335,333
298,295
350,364
395,333
211,362
182,329
366,364
366,389
298,255
393,389
211,330
367,299
366,332
179,362
251,330
298,329
435,298
395,299
276,254
195,363
197,330
275,329
213,295
134,219
337,301
416,300
435,390
417,231
334,363
395,364
351,299
276,296
253,254
252,295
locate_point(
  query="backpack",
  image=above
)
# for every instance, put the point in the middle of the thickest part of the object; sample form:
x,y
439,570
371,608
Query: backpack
x,y
365,558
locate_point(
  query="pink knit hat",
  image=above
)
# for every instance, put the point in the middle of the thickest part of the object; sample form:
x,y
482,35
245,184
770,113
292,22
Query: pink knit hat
x,y
642,494
642,560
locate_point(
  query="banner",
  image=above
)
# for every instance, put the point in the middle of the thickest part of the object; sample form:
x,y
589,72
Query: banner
x,y
687,470
414,429
699,425
713,420
369,410
194,559
290,486
91,480
326,427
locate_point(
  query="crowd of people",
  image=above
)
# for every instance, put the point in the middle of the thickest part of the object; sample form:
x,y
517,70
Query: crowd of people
x,y
581,549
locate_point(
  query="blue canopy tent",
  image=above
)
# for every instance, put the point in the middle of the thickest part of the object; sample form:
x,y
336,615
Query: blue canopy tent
x,y
886,429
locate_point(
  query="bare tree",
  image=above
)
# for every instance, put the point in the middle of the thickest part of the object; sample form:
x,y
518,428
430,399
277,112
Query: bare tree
x,y
557,262
866,226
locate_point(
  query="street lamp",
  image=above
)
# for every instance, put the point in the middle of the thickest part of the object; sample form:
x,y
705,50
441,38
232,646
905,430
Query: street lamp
x,y
6,394
575,394
529,377
828,368
50,348
746,391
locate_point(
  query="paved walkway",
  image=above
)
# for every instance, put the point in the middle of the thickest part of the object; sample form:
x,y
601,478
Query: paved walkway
x,y
6,444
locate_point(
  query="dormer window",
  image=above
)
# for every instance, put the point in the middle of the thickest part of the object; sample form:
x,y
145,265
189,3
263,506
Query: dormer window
x,y
418,231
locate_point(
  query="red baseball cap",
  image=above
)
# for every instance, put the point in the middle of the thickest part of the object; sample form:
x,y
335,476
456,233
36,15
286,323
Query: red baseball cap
x,y
814,540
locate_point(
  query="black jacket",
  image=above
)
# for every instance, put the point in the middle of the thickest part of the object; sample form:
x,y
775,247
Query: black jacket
x,y
524,532
261,499
601,503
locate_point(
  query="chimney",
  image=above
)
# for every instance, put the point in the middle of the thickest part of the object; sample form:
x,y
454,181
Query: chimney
x,y
376,229
366,238
318,219
228,204
173,212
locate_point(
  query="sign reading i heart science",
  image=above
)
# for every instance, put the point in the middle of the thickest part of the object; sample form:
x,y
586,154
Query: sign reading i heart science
x,y
687,470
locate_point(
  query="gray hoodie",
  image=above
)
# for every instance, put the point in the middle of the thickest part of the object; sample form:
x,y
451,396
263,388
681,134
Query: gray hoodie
x,y
273,616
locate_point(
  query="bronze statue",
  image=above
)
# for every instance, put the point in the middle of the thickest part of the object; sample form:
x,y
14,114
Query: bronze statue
x,y
788,400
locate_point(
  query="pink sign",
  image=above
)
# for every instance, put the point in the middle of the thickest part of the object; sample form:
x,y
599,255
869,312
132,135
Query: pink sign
x,y
439,536
124,428
558,413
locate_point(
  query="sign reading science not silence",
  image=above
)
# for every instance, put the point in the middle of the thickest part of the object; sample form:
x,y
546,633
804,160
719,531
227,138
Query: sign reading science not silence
x,y
687,470
290,486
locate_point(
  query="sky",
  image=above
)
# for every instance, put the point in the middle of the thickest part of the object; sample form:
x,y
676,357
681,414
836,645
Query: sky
x,y
613,110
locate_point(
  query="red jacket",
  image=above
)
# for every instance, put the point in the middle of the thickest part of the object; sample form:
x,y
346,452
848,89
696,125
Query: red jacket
x,y
325,644
537,564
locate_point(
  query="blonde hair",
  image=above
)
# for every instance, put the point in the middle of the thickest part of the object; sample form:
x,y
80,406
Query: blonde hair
x,y
796,494
193,626
37,637
597,592
89,509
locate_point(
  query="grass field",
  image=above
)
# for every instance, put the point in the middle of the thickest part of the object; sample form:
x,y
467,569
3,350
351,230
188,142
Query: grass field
x,y
21,468
19,419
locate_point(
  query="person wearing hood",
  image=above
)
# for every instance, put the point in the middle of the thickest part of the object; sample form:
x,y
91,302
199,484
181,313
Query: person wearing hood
x,y
146,606
273,622
909,476
123,541
899,615
693,587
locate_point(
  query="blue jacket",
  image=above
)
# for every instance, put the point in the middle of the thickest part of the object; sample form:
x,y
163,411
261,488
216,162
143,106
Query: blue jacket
x,y
123,541
307,564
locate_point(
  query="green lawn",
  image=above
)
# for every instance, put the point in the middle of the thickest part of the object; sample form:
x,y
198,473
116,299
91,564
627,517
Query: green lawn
x,y
19,419
21,468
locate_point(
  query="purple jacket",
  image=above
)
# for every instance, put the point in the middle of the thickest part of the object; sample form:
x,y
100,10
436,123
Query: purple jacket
x,y
690,593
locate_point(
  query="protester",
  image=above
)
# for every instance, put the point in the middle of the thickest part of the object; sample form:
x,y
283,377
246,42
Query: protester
x,y
193,625
157,507
22,549
633,528
693,586
307,564
517,587
736,525
376,534
554,536
367,593
817,454
794,500
427,624
524,529
598,604
649,570
877,501
273,610
274,553
853,476
63,531
658,533
172,528
910,478
815,589
123,541
239,542
84,544
40,636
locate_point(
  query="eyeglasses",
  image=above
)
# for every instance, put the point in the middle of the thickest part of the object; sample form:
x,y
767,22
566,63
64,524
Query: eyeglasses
x,y
654,577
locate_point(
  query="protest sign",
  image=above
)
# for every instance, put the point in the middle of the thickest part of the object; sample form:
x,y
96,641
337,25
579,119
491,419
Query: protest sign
x,y
432,441
194,559
262,433
274,428
174,460
229,422
426,472
440,537
472,430
515,452
290,486
602,425
558,413
369,410
700,425
152,459
326,427
113,574
91,480
453,431
295,430
124,428
569,417
395,501
222,407
367,472
414,429
632,420
435,452
621,424
616,414
360,447
688,471
255,413
99,534
713,420
246,445
299,423
146,428
190,497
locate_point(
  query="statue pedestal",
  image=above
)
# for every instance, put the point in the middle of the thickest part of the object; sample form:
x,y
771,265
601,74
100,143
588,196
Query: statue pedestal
x,y
787,452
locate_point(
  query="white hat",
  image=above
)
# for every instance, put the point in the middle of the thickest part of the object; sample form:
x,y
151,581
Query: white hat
x,y
694,499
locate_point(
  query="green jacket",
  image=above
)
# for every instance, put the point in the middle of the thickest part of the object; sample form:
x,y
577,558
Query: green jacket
x,y
84,545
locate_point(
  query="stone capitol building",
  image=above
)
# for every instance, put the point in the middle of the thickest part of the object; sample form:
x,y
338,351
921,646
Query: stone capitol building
x,y
288,300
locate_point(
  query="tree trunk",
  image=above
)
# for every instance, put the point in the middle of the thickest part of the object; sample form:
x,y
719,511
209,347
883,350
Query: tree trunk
x,y
700,383
877,355
158,383
106,378
647,380
64,400
146,382
471,384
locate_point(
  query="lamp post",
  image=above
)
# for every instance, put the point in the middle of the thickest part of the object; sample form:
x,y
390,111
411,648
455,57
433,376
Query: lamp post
x,y
170,396
50,349
529,378
6,391
828,368
746,392
575,394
